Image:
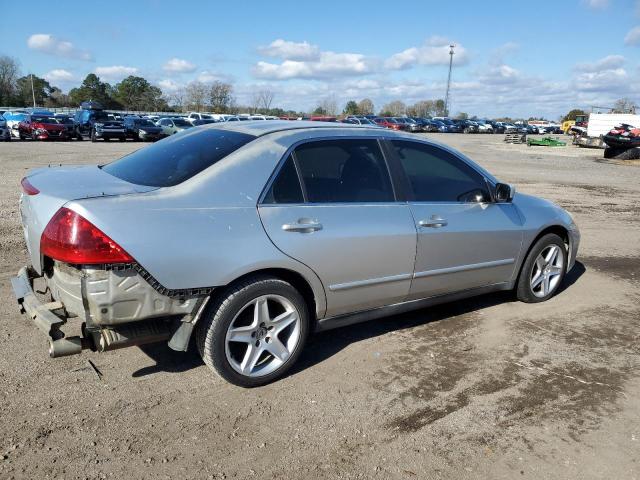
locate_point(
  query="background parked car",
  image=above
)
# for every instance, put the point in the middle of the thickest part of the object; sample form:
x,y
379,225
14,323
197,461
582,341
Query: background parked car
x,y
67,121
142,129
42,127
388,122
410,124
483,126
5,133
173,125
13,118
207,121
94,122
466,126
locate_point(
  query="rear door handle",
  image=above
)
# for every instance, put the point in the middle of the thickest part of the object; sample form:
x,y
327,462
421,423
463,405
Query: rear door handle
x,y
302,226
433,222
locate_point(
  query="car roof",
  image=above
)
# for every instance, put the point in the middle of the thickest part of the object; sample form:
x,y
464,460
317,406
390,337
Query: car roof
x,y
260,128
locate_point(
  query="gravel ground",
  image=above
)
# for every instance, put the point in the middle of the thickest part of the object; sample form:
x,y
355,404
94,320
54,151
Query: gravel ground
x,y
482,388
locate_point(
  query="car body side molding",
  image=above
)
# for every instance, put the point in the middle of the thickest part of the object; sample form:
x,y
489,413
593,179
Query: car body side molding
x,y
462,268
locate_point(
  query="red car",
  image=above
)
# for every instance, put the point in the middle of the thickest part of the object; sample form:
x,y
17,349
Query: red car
x,y
322,118
42,127
387,122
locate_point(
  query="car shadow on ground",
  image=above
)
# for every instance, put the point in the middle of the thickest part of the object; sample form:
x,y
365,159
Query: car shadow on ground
x,y
327,344
324,345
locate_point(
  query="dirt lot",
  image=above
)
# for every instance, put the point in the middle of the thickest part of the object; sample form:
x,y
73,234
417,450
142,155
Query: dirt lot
x,y
484,388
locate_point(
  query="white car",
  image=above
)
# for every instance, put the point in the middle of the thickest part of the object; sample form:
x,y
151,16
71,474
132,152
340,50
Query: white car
x,y
12,120
198,116
483,127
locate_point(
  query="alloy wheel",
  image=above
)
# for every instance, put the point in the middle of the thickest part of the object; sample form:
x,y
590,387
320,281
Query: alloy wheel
x,y
547,271
262,336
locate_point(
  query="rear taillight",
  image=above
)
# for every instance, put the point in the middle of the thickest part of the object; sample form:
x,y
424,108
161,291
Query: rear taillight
x,y
28,188
71,238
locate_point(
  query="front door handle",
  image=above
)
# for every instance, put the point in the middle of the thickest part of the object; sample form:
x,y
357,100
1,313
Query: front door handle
x,y
434,222
303,225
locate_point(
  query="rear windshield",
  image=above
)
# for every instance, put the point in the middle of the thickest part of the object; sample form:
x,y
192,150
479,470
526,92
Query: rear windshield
x,y
175,159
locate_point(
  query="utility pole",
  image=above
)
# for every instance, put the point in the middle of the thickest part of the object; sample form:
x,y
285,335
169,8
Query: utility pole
x,y
33,93
446,97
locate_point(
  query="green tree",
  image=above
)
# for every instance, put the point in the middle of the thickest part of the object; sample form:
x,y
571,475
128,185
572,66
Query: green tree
x,y
9,71
573,114
220,97
320,111
439,108
136,93
462,116
365,106
94,89
351,108
42,90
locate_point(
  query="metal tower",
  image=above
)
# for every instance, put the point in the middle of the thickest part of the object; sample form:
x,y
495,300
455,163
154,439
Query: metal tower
x,y
446,97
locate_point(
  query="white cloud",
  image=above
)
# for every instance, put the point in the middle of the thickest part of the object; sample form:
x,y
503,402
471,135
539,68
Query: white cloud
x,y
603,81
178,65
47,43
59,75
633,37
596,4
208,77
609,62
435,51
115,72
169,86
287,50
328,64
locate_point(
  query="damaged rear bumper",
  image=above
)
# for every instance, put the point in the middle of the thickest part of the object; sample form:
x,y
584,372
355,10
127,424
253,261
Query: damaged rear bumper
x,y
100,330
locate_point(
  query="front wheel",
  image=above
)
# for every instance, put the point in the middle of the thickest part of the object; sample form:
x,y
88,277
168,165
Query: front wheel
x,y
254,332
543,270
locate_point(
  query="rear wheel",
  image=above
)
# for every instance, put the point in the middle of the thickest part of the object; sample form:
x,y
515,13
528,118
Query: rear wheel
x,y
254,332
543,270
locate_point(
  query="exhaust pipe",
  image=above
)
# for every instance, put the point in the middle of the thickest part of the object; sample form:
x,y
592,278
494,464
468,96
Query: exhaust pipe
x,y
132,334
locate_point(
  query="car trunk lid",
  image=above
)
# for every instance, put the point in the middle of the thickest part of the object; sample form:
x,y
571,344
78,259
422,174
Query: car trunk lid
x,y
58,186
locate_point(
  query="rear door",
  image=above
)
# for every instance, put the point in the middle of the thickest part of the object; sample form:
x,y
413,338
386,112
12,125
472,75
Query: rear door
x,y
464,239
332,207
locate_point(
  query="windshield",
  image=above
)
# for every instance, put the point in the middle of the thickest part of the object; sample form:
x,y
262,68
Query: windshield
x,y
179,122
43,119
145,123
177,158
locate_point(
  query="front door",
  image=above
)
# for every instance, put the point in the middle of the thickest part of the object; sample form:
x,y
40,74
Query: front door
x,y
465,240
332,207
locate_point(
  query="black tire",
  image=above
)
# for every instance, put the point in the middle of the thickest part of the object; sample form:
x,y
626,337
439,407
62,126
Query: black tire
x,y
212,327
524,291
628,154
122,139
612,152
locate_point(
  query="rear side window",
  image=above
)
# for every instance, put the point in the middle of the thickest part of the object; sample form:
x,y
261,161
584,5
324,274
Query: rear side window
x,y
286,186
344,171
177,158
436,175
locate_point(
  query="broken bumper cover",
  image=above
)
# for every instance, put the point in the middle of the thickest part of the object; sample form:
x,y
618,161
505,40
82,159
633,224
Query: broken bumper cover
x,y
44,317
173,321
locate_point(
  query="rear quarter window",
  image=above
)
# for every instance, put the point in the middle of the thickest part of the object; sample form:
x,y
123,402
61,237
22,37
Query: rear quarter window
x,y
175,159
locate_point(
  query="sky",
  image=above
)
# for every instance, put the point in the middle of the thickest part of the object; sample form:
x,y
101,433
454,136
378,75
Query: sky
x,y
539,58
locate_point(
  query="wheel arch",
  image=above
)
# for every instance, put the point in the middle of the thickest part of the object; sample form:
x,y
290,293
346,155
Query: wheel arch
x,y
296,279
559,230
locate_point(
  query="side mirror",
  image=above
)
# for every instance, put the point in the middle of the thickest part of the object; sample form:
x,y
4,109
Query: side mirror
x,y
504,192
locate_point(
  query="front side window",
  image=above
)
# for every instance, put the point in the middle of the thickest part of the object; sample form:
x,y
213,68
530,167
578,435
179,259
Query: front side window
x,y
344,171
436,175
177,158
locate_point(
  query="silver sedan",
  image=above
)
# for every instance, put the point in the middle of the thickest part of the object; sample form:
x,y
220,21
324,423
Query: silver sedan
x,y
252,235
